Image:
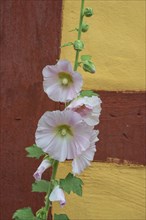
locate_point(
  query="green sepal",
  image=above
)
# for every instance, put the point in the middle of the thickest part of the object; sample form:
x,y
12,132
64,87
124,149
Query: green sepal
x,y
72,183
50,159
34,151
88,93
75,29
88,12
41,214
41,186
67,44
84,27
79,45
85,57
60,217
24,214
89,66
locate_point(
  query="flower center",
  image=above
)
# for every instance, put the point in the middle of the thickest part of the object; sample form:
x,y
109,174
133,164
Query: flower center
x,y
65,78
64,130
65,81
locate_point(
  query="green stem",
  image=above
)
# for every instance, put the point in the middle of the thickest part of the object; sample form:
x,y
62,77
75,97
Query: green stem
x,y
79,34
54,171
56,163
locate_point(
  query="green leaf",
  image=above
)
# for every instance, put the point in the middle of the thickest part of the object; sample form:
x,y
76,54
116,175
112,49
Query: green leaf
x,y
85,57
41,186
60,217
67,44
72,183
34,151
24,214
88,93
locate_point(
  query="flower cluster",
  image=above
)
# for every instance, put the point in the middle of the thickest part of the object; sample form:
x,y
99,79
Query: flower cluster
x,y
68,134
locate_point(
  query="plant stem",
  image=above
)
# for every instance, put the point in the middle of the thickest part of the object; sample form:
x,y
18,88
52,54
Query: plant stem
x,y
54,171
56,163
79,34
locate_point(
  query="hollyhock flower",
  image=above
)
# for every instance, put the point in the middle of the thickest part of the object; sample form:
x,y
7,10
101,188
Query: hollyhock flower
x,y
63,134
57,195
83,160
42,167
61,83
88,107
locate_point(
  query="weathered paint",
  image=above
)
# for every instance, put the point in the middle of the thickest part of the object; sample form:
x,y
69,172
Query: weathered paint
x,y
122,127
110,192
116,41
30,39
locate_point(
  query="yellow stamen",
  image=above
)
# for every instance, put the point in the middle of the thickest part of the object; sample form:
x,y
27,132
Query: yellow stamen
x,y
65,81
63,132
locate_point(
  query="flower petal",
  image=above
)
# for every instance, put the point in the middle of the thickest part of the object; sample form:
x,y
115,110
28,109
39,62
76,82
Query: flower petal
x,y
66,144
88,107
83,160
64,65
54,85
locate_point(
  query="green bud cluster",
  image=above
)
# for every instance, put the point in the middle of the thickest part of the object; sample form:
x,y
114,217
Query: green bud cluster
x,y
78,45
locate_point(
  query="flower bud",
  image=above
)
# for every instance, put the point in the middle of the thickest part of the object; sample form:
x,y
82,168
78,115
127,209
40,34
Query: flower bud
x,y
57,194
89,66
88,12
85,27
78,45
45,164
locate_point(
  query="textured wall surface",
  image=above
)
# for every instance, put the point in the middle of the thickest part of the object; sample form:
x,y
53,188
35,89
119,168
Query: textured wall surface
x,y
30,39
116,41
122,127
110,192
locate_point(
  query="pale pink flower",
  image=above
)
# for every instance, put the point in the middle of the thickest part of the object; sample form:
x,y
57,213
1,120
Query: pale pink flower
x,y
83,160
61,83
57,195
63,134
88,107
42,167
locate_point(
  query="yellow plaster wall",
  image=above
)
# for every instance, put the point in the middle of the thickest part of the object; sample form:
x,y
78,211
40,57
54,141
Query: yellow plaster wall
x,y
116,41
110,192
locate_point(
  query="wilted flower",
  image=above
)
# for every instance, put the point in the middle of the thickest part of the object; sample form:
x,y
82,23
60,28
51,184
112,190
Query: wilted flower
x,y
61,83
63,134
83,160
42,167
88,107
57,195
